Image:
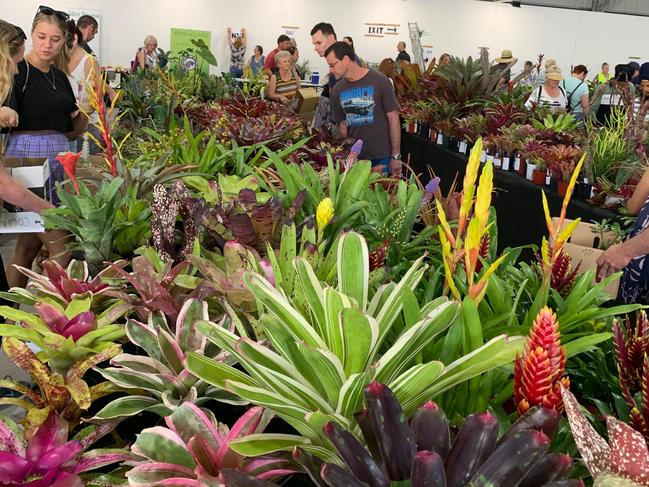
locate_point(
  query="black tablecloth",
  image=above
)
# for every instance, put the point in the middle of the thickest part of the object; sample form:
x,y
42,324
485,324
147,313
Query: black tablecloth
x,y
517,201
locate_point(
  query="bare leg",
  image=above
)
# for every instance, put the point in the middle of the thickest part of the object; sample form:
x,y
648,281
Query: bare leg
x,y
27,247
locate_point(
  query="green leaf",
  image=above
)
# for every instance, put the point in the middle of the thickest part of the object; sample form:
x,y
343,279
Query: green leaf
x,y
585,343
265,443
351,394
77,306
360,333
214,372
163,445
416,379
353,268
130,406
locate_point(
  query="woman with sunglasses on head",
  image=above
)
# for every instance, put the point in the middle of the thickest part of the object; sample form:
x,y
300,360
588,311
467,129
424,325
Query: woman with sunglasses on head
x,y
48,118
12,50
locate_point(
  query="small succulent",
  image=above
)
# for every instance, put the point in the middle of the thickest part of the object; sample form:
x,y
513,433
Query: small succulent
x,y
193,450
158,379
422,452
48,458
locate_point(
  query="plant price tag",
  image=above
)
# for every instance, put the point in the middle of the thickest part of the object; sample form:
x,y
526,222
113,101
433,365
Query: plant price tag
x,y
483,156
462,148
490,158
440,138
517,164
548,179
505,163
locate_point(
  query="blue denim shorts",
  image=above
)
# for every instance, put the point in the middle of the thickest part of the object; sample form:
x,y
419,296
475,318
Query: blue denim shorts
x,y
383,161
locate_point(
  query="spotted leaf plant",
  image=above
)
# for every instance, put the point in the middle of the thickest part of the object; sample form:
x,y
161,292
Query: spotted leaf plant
x,y
323,357
68,394
623,461
157,379
194,448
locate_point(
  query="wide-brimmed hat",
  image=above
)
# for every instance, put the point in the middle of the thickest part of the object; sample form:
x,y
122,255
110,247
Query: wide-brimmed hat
x,y
506,57
552,71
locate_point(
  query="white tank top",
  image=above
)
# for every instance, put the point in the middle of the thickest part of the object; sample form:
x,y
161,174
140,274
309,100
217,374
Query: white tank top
x,y
79,81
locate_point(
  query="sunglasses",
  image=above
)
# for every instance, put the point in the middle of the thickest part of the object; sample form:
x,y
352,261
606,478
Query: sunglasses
x,y
50,11
20,34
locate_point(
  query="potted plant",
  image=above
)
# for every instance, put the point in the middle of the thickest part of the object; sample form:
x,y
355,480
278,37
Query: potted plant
x,y
514,138
536,165
561,161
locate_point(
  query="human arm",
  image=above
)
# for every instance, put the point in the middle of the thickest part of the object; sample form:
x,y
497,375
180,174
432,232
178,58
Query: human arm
x,y
140,59
79,125
272,94
585,105
244,36
618,256
640,195
342,129
229,36
18,195
395,141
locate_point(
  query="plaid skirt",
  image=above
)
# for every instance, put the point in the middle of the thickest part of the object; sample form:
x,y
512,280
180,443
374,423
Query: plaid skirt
x,y
46,145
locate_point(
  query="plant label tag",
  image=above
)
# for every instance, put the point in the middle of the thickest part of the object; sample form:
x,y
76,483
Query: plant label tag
x,y
483,156
592,192
490,158
548,179
440,138
530,170
498,162
505,163
462,149
585,180
517,164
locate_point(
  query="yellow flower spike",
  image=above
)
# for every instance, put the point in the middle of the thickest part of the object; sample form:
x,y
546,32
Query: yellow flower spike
x,y
472,247
548,219
446,258
566,233
571,186
444,223
483,199
478,291
324,213
468,185
545,253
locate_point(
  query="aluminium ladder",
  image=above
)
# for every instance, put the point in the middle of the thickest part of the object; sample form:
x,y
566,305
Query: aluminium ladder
x,y
415,41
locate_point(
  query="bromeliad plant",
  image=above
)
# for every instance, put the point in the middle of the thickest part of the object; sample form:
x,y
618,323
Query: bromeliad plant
x,y
622,461
65,334
420,453
48,459
157,381
329,343
193,450
67,394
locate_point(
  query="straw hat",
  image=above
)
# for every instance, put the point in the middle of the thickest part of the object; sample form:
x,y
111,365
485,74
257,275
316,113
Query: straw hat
x,y
552,71
506,57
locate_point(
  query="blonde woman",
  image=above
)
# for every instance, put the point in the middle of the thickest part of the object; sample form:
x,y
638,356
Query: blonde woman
x,y
147,56
12,50
549,94
47,118
284,84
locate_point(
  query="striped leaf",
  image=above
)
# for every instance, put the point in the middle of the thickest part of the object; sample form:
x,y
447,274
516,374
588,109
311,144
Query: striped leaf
x,y
353,268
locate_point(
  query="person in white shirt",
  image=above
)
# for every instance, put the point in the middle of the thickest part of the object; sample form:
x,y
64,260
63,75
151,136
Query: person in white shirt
x,y
549,94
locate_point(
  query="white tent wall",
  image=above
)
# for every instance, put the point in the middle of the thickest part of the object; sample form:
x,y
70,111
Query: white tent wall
x,y
455,26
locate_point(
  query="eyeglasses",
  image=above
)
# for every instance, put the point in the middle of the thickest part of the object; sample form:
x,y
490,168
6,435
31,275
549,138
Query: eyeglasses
x,y
50,11
332,65
20,34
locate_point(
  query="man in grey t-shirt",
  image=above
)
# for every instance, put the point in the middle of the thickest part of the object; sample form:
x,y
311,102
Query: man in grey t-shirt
x,y
365,107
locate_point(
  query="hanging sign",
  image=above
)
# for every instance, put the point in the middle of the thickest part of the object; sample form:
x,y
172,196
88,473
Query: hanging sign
x,y
181,45
378,29
290,30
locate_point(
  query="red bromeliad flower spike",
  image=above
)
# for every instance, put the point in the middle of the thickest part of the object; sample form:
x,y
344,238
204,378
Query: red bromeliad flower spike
x,y
69,162
539,372
563,275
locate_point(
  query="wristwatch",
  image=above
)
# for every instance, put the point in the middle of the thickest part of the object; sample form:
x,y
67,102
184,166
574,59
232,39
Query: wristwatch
x,y
397,157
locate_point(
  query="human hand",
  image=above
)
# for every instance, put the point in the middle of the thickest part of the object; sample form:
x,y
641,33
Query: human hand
x,y
453,206
229,29
8,117
395,168
613,259
283,99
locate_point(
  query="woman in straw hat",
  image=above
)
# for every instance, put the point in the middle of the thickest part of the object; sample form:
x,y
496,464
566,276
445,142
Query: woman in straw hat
x,y
549,94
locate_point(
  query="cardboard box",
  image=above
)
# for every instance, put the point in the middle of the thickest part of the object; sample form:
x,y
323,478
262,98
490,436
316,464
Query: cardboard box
x,y
582,248
36,178
306,100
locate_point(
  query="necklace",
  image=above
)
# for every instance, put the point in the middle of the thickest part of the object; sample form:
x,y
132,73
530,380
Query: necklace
x,y
53,80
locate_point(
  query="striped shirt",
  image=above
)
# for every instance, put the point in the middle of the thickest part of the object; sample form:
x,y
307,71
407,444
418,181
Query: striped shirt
x,y
286,88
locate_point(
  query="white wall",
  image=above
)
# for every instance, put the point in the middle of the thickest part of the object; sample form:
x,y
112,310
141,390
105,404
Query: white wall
x,y
455,26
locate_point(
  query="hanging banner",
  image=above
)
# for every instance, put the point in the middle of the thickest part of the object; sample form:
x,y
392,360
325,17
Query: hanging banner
x,y
181,46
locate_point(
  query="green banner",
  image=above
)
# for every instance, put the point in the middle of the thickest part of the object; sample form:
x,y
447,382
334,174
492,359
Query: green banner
x,y
181,47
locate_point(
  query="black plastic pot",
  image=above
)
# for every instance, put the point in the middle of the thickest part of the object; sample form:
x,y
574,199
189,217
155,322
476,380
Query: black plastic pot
x,y
583,190
423,130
